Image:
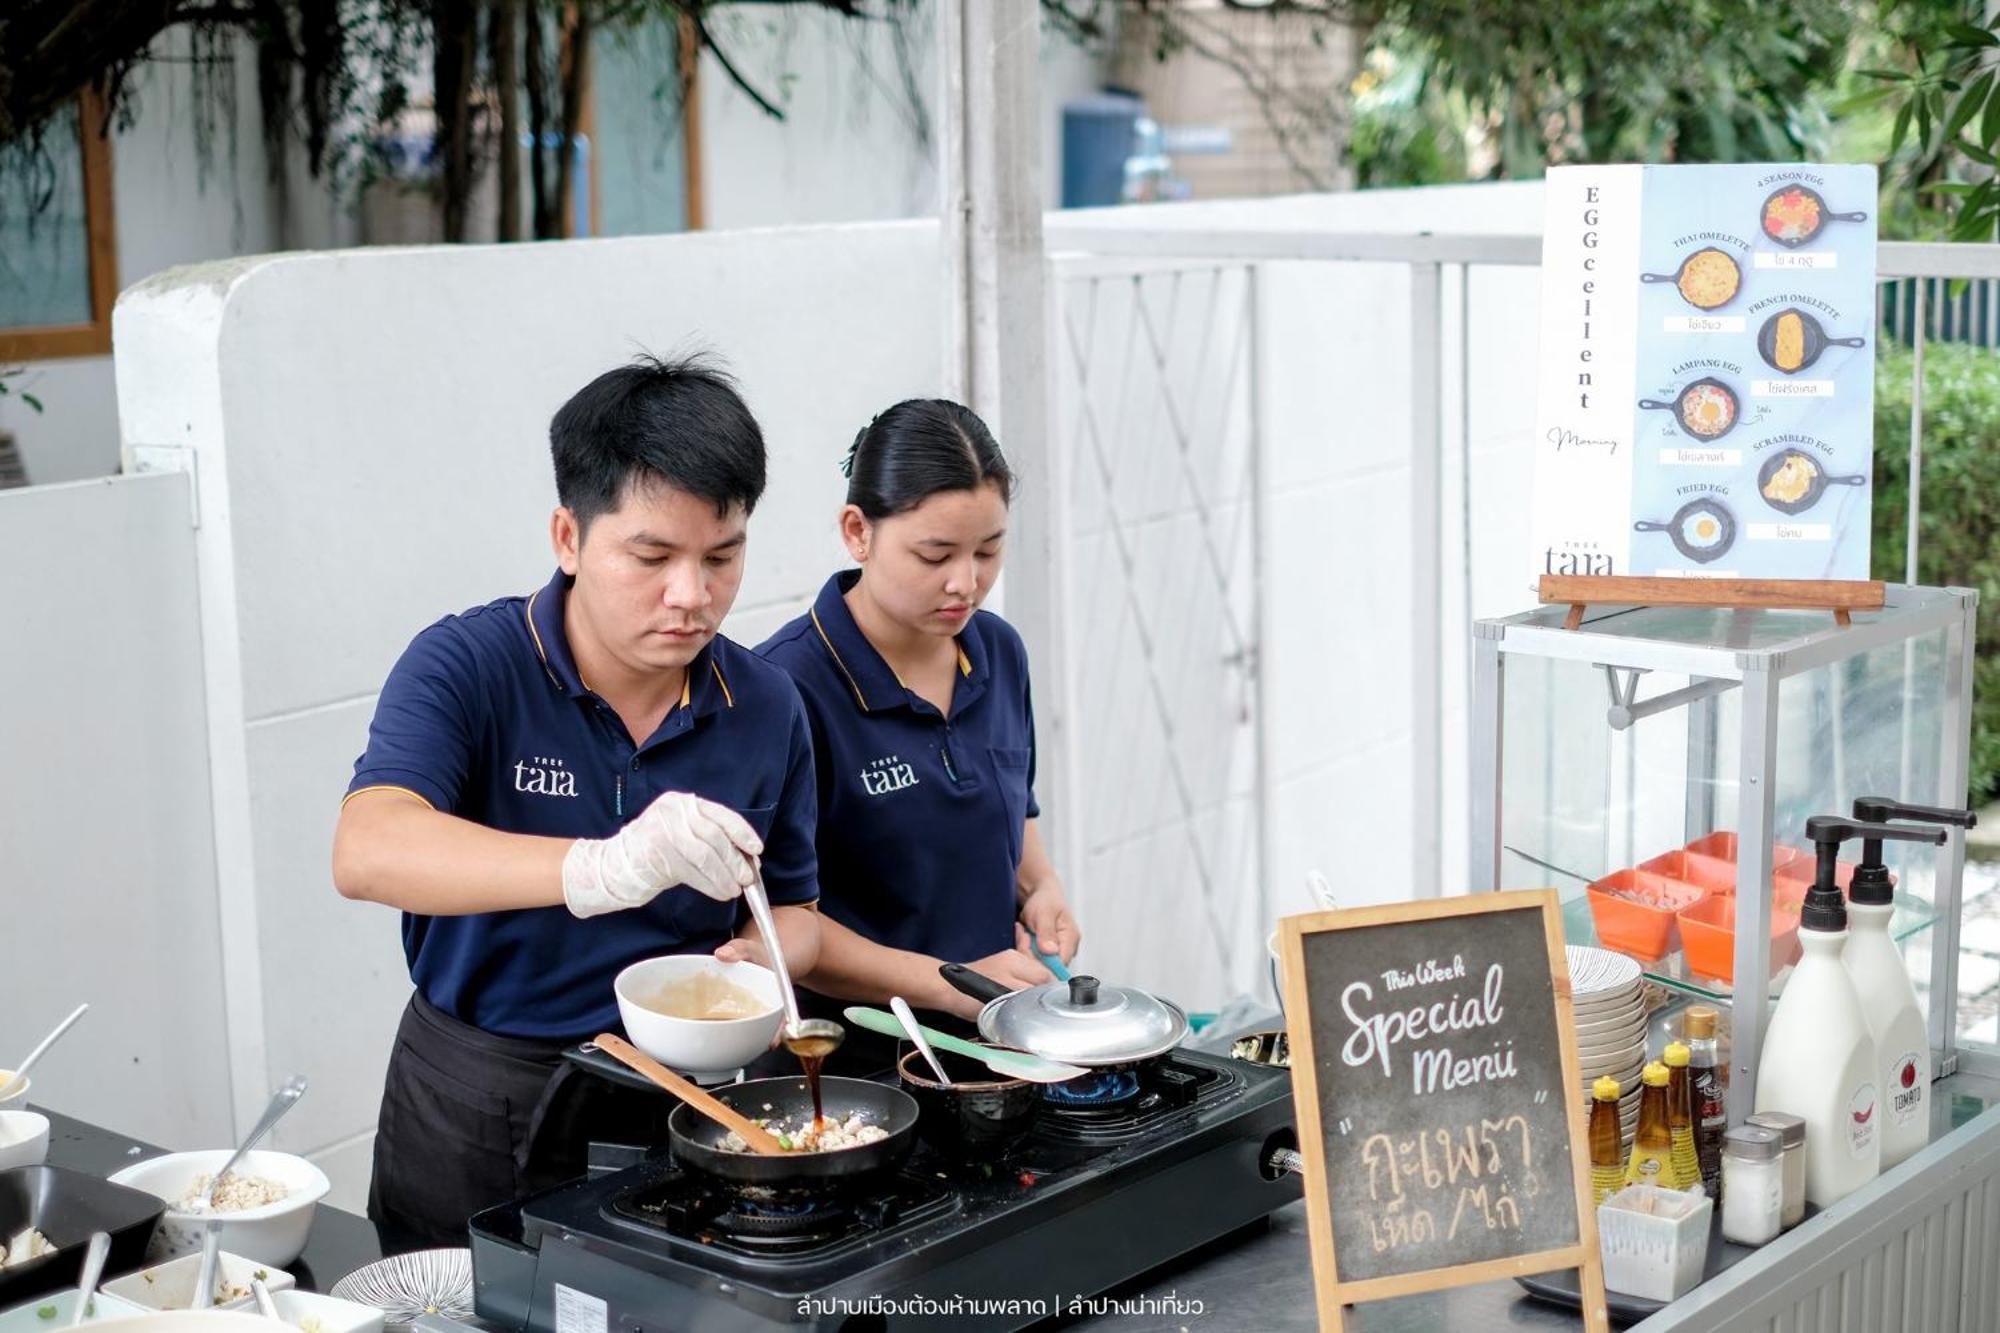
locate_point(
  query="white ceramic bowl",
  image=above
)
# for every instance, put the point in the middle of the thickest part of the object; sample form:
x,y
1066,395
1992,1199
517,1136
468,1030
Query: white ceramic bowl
x,y
24,1139
196,1321
273,1234
170,1285
18,1098
29,1316
697,1045
328,1314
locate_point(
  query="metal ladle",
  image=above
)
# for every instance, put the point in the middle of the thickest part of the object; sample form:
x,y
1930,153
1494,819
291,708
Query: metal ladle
x,y
807,1038
282,1101
901,1008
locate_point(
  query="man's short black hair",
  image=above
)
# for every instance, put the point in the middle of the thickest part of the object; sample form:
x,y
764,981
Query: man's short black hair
x,y
678,422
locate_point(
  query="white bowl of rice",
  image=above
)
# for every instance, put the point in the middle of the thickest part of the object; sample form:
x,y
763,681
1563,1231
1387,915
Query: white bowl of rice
x,y
265,1205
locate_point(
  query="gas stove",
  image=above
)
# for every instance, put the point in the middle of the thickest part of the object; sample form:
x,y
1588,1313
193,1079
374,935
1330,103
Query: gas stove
x,y
1108,1186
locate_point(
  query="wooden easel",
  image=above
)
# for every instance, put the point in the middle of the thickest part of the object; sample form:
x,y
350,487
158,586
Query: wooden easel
x,y
1843,597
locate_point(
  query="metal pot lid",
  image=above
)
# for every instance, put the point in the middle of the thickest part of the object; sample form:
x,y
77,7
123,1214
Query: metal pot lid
x,y
1085,1021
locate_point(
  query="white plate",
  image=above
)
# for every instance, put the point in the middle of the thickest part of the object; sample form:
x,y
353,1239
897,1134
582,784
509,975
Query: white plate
x,y
405,1286
1594,971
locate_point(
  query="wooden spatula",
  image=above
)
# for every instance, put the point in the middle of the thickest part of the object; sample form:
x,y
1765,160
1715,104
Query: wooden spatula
x,y
755,1135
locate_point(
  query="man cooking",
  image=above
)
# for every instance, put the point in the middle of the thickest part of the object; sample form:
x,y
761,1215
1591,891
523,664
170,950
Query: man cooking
x,y
561,784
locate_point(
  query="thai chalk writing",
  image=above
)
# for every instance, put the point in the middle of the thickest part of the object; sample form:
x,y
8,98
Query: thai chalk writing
x,y
1478,1173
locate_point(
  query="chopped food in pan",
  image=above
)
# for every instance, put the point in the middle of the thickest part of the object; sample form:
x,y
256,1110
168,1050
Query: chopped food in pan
x,y
1793,479
1791,215
833,1135
1709,278
1708,409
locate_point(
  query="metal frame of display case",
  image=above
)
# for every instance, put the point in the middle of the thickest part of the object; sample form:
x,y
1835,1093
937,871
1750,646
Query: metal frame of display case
x,y
1716,668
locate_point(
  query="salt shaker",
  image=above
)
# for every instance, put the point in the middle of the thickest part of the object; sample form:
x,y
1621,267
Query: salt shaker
x,y
1753,1185
1792,1130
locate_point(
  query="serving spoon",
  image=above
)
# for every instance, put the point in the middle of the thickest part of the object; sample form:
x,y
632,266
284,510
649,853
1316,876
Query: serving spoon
x,y
21,1071
282,1101
807,1038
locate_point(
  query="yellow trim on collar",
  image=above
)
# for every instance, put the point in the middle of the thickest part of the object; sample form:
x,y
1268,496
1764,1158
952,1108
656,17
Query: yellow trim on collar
x,y
859,697
534,633
385,786
964,662
727,697
687,688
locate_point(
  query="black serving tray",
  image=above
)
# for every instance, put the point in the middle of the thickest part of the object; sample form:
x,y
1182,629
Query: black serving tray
x,y
67,1206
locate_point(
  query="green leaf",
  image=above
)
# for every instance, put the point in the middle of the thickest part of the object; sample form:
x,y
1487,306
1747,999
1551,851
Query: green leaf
x,y
1888,75
1969,104
32,401
1978,154
1989,124
1965,34
1902,130
1960,188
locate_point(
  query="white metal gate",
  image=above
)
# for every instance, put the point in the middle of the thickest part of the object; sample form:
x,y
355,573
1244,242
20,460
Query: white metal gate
x,y
1153,363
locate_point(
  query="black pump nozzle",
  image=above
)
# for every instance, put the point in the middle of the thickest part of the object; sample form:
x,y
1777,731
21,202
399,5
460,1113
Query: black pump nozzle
x,y
1824,908
1871,884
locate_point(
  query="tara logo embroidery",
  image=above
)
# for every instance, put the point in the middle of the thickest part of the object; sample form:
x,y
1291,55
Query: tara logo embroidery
x,y
544,777
887,774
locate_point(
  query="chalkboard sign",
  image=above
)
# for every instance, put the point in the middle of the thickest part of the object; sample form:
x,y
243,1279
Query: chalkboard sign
x,y
1440,1110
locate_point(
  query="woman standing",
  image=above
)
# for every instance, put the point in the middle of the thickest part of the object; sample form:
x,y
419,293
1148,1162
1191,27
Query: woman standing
x,y
923,730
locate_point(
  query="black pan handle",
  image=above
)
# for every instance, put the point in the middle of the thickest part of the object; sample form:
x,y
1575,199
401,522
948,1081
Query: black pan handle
x,y
1652,406
1846,342
1644,525
1858,479
976,984
1659,277
1846,217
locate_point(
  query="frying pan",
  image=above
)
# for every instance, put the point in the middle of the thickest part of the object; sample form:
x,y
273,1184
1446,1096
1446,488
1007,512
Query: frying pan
x,y
1676,276
1676,528
1820,482
1816,341
1794,242
1679,409
696,1139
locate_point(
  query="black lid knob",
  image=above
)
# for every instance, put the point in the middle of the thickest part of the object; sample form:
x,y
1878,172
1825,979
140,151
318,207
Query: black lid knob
x,y
1083,991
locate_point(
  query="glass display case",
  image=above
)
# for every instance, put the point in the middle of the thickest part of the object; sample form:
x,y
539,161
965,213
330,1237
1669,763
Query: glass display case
x,y
1658,762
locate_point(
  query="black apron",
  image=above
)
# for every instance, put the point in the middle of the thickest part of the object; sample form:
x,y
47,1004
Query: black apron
x,y
471,1120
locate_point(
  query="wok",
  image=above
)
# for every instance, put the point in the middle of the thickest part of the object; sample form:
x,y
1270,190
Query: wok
x,y
1681,529
1777,229
1818,487
1682,406
1816,341
1679,277
696,1139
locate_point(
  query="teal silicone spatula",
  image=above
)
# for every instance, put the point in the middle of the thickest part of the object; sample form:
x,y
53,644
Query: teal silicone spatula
x,y
1008,1064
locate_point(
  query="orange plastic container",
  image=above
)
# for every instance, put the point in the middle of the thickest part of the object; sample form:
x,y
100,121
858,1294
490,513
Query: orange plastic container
x,y
1634,911
1706,872
1723,847
1708,932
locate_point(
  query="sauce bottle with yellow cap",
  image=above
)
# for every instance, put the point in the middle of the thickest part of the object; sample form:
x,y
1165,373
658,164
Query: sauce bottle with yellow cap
x,y
1652,1160
1607,1141
1680,1116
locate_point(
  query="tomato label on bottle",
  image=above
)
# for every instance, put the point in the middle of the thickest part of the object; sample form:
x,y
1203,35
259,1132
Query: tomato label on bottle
x,y
1907,1081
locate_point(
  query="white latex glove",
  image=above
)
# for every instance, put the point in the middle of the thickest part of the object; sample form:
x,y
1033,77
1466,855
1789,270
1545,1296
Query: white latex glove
x,y
678,839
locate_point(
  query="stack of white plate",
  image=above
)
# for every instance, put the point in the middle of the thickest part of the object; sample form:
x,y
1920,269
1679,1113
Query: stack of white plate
x,y
1608,1007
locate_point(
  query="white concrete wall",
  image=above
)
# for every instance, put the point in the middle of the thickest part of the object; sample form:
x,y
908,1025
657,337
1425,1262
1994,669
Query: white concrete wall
x,y
853,145
367,462
107,871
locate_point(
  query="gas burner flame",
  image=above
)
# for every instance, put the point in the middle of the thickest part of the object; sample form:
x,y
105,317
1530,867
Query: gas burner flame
x,y
1106,1088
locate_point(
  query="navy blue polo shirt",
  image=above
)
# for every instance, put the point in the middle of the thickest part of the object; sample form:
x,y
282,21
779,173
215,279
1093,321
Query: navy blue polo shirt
x,y
920,814
485,717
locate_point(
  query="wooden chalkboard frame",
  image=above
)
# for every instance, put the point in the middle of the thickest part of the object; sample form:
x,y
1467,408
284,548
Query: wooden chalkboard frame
x,y
1334,1295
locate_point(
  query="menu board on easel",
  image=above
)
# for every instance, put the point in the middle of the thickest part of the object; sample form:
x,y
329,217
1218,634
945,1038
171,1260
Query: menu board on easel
x,y
1434,1072
1706,381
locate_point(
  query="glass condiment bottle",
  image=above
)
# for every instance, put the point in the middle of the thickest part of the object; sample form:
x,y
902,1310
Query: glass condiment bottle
x,y
1607,1141
1753,1188
1652,1159
1680,1117
1708,1094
